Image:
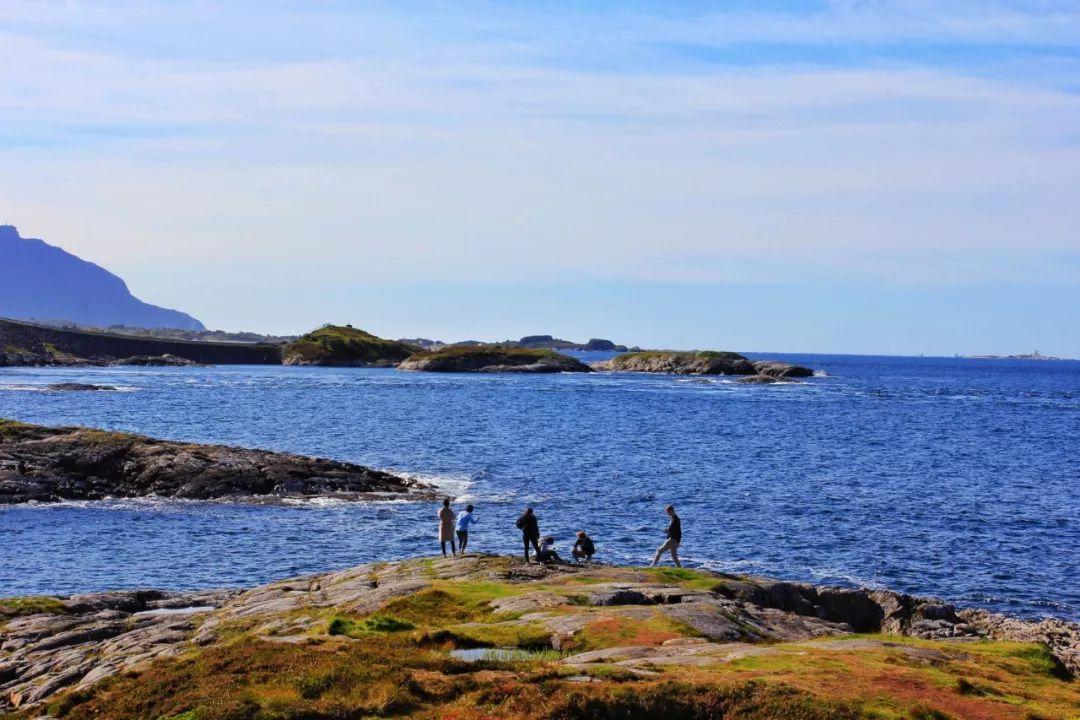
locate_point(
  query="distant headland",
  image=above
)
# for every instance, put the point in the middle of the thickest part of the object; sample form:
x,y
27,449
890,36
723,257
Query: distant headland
x,y
1036,355
32,344
42,282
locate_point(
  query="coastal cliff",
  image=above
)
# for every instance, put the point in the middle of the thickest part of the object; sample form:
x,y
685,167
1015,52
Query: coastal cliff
x,y
44,282
24,343
345,346
491,637
47,464
703,362
493,359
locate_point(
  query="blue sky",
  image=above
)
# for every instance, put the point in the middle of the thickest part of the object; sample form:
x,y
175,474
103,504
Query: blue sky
x,y
859,176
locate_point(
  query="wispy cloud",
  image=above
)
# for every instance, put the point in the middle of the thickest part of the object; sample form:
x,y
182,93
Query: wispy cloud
x,y
904,141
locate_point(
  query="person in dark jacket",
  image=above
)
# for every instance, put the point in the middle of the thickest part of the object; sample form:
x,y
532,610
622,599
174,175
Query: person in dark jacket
x,y
584,548
674,538
530,531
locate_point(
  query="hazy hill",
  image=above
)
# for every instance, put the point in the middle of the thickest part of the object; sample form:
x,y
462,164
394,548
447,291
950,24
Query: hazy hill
x,y
41,282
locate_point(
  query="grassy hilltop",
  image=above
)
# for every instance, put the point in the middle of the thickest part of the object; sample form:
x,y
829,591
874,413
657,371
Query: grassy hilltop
x,y
596,643
345,346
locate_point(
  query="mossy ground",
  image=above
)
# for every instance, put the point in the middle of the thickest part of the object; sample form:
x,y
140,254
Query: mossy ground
x,y
395,661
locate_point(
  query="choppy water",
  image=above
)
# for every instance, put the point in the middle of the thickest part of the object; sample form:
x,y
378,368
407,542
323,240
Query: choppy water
x,y
957,478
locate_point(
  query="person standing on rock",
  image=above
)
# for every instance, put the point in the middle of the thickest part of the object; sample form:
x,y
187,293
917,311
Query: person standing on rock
x,y
446,527
674,538
464,520
530,531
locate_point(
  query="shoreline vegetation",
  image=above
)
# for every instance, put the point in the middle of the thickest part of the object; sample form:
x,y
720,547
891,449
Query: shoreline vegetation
x,y
490,637
30,344
50,464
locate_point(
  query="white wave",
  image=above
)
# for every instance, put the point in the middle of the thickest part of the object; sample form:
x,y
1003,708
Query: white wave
x,y
151,502
19,387
456,486
820,373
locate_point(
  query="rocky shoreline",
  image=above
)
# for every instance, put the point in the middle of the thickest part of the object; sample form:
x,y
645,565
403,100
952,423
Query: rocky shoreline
x,y
600,619
492,359
28,344
705,362
49,464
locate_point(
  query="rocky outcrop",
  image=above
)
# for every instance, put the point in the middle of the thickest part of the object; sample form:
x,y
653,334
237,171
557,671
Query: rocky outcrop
x,y
82,639
635,619
493,359
165,360
703,362
781,370
345,346
535,342
47,464
759,380
550,342
23,343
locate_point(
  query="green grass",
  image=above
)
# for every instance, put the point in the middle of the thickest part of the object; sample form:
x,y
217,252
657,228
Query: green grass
x,y
379,623
526,636
31,605
684,577
1042,661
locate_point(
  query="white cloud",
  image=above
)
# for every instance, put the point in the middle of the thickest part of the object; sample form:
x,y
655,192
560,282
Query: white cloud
x,y
481,151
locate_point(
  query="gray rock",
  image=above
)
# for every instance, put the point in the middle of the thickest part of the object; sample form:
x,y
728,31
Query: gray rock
x,y
70,463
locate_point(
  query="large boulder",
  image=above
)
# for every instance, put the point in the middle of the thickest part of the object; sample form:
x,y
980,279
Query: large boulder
x,y
781,370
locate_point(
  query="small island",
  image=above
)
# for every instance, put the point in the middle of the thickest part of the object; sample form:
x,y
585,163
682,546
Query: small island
x,y
345,346
489,637
48,464
1036,355
704,362
492,359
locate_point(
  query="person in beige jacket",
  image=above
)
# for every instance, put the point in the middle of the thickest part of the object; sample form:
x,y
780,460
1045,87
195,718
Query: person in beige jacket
x,y
446,527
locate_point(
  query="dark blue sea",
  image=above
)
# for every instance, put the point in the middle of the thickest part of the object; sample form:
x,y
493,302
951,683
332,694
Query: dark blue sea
x,y
948,477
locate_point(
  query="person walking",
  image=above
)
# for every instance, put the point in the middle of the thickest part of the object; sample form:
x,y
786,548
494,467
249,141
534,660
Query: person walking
x,y
530,531
584,548
674,538
446,527
464,520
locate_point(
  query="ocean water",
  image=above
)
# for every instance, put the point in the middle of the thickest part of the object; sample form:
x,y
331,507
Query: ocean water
x,y
938,476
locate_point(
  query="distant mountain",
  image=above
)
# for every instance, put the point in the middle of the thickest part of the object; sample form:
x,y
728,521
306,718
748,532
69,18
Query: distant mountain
x,y
41,282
